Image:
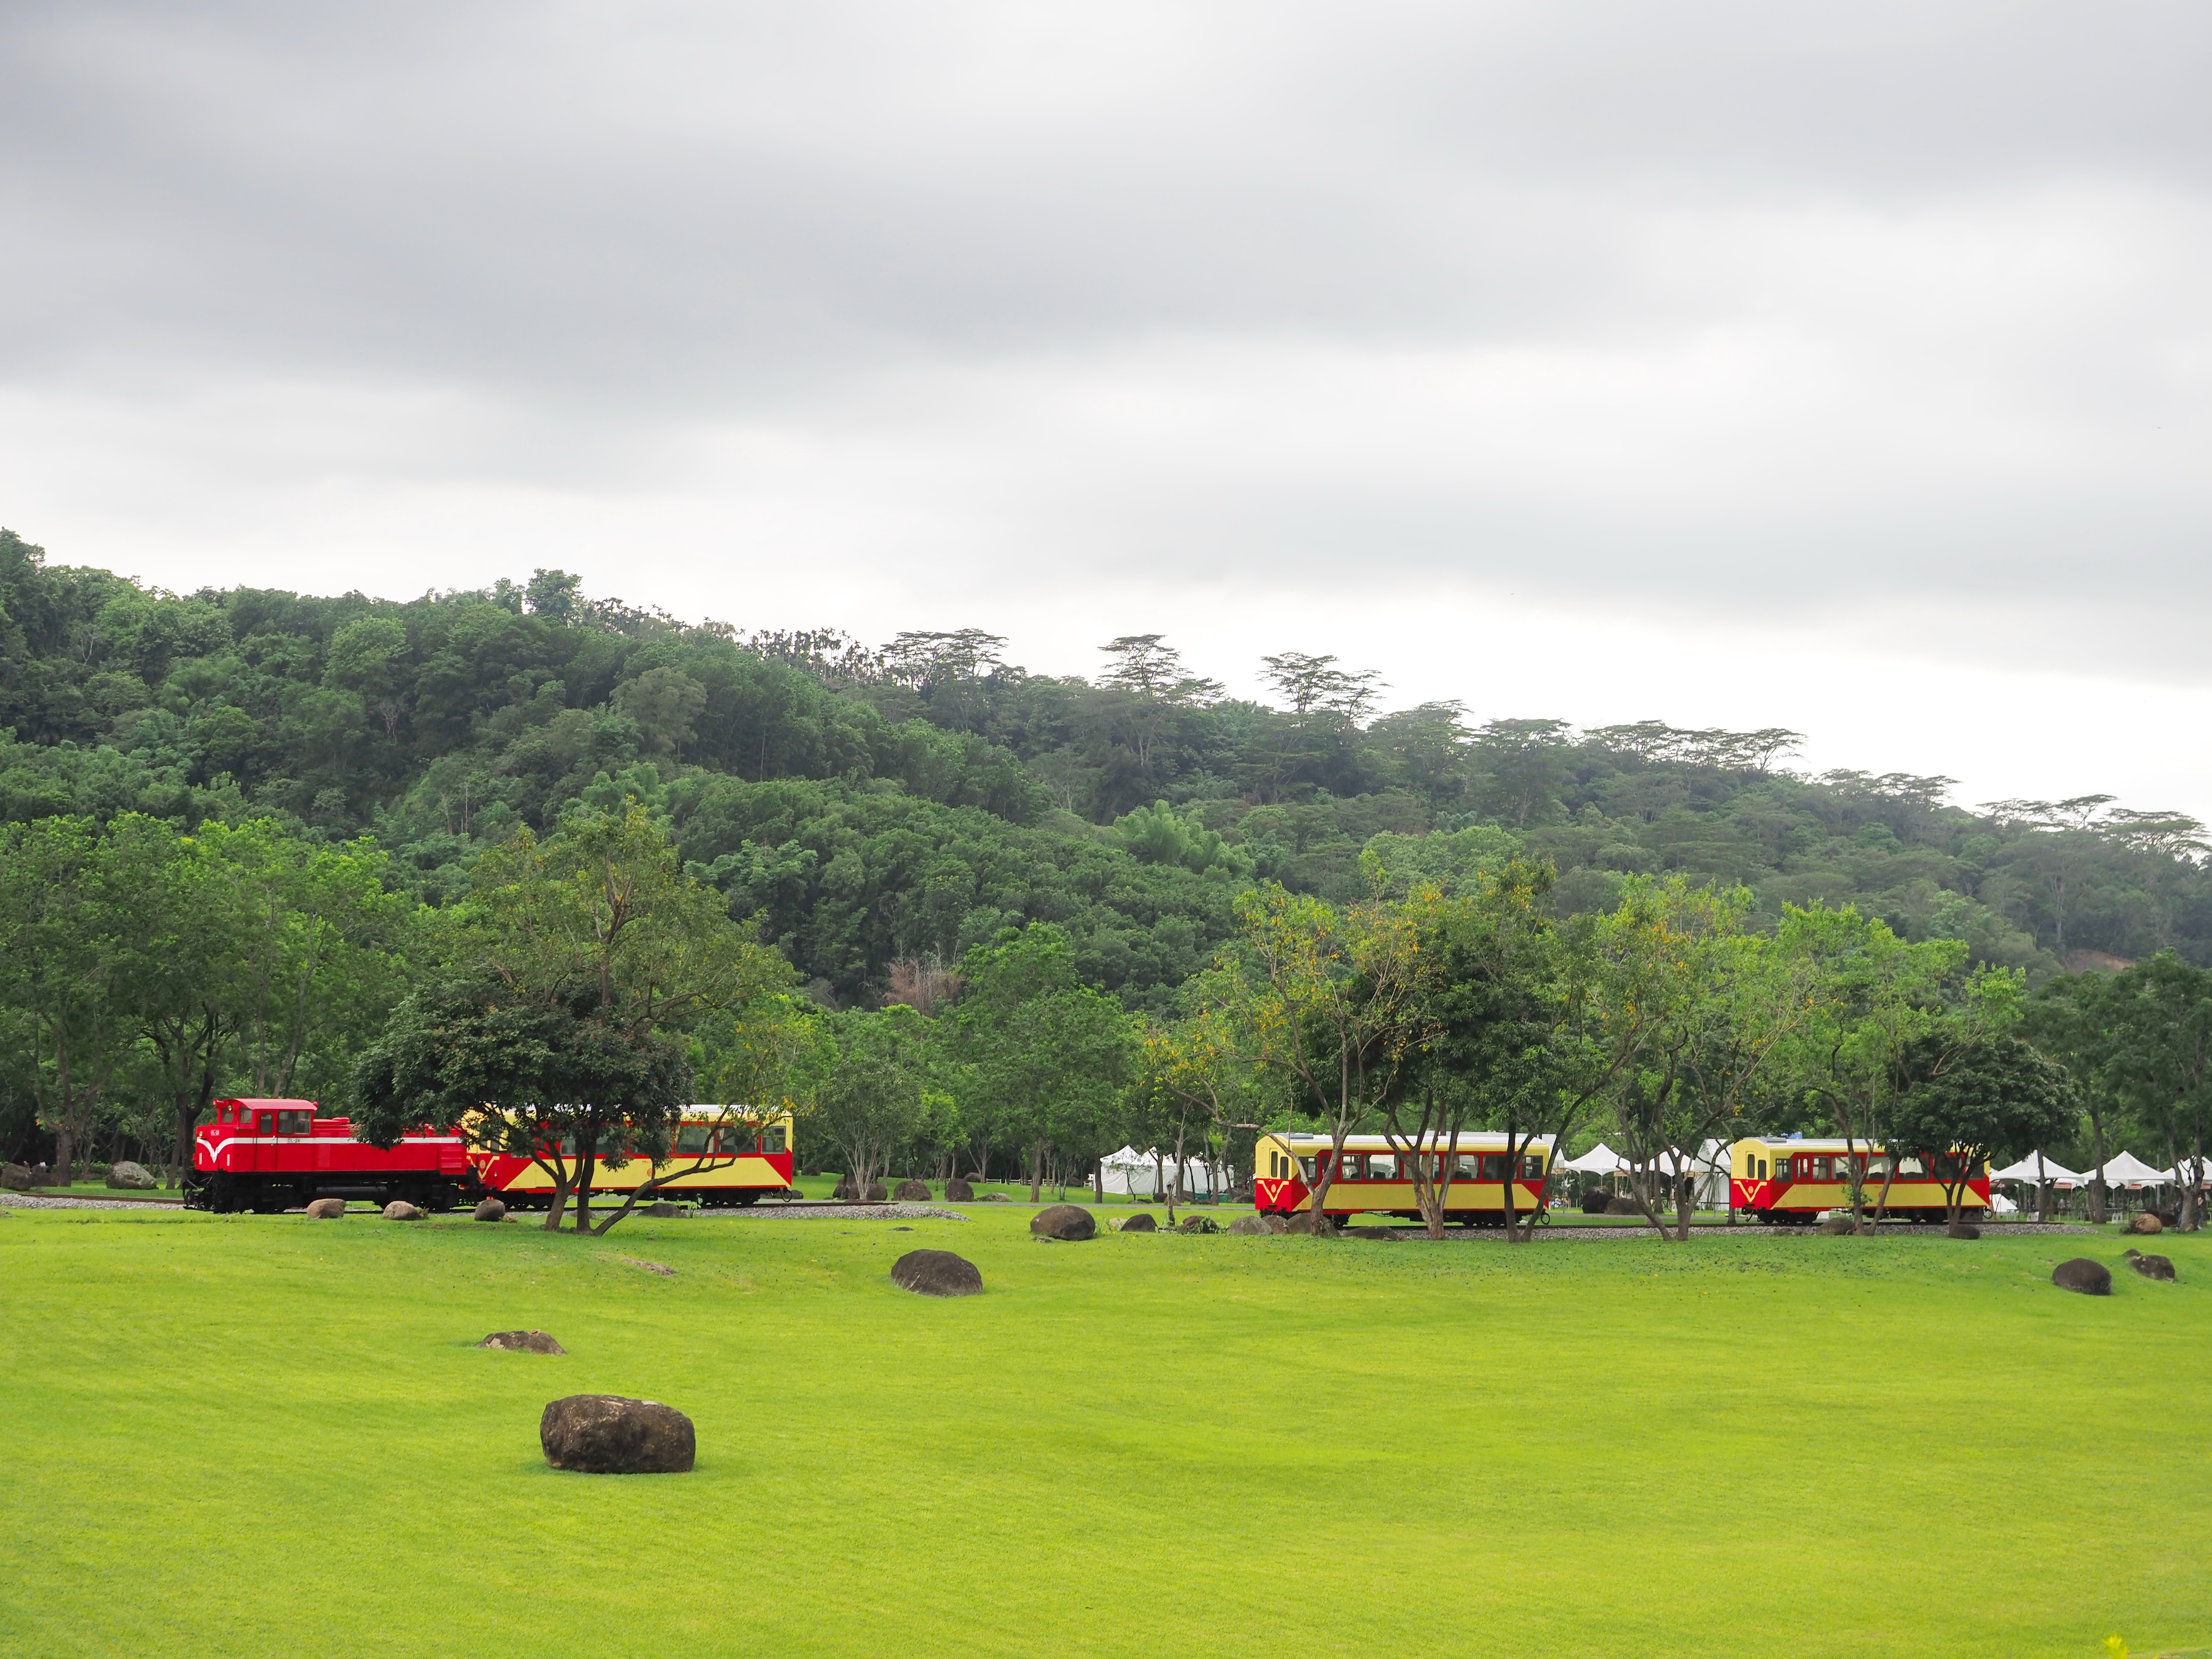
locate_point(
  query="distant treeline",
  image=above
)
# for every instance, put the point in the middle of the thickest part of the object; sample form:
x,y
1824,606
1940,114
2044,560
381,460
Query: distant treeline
x,y
881,804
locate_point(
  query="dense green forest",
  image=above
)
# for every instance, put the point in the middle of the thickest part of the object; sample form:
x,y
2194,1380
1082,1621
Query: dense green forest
x,y
879,807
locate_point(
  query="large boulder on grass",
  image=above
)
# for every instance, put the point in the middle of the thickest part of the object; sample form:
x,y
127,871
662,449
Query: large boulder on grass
x,y
523,1342
491,1210
400,1210
912,1192
1595,1200
2090,1277
2151,1266
1622,1206
1069,1222
957,1191
327,1209
849,1193
16,1177
1839,1226
1200,1223
607,1434
937,1272
1312,1222
1248,1225
2146,1222
666,1209
127,1177
1141,1222
1963,1230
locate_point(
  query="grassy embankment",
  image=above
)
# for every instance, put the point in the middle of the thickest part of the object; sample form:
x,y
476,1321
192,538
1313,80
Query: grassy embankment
x,y
257,1435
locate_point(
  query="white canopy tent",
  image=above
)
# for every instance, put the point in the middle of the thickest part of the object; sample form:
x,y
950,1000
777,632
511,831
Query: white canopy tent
x,y
1144,1175
2128,1171
1601,1159
2037,1167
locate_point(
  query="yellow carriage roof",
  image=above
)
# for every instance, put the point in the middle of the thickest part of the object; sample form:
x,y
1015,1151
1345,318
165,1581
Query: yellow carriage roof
x,y
1471,1140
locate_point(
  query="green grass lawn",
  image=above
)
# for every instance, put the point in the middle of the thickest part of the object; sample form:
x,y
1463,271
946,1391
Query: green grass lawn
x,y
266,1435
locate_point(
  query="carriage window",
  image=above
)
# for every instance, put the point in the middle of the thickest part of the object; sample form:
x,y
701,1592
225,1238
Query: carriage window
x,y
1306,1170
1761,1163
771,1140
1820,1169
1531,1167
731,1142
1466,1168
1877,1168
1348,1168
691,1140
1910,1166
1493,1166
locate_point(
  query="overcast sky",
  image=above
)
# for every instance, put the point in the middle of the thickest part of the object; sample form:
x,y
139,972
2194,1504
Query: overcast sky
x,y
1847,367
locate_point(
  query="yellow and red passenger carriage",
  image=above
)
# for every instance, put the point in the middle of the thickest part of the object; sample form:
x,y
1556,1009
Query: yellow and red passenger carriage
x,y
722,1156
1374,1175
1790,1180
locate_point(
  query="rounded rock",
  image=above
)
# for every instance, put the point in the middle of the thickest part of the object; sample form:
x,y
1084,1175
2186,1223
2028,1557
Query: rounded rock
x,y
1069,1222
665,1209
2089,1277
957,1191
327,1209
937,1272
523,1342
1138,1223
608,1434
2152,1266
400,1210
912,1192
491,1210
1200,1223
127,1177
1963,1230
1307,1222
1248,1225
2145,1222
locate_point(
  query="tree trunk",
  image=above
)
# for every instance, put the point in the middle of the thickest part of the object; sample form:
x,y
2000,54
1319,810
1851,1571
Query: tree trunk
x,y
1037,1175
586,1158
65,1152
2097,1176
1098,1181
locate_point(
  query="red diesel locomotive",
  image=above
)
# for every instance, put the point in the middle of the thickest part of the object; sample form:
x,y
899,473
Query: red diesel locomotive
x,y
269,1156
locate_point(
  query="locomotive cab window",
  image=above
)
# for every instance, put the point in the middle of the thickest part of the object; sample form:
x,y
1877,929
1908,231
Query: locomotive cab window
x,y
265,1123
292,1123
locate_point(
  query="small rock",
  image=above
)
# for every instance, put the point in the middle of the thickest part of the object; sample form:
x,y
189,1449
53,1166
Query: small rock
x,y
523,1342
1963,1230
1248,1225
937,1272
16,1177
994,1197
650,1267
912,1192
607,1434
664,1209
491,1210
1838,1226
327,1209
2151,1266
127,1177
2145,1222
1140,1223
1064,1221
957,1191
2090,1277
1200,1223
400,1210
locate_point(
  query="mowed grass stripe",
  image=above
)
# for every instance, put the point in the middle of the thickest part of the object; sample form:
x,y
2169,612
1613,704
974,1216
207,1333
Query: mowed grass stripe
x,y
263,1432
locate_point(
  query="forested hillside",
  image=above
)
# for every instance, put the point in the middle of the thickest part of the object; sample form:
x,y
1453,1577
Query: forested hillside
x,y
878,804
910,800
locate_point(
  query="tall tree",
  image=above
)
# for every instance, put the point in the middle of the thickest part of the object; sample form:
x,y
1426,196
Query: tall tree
x,y
1048,1056
63,976
1969,1102
593,948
